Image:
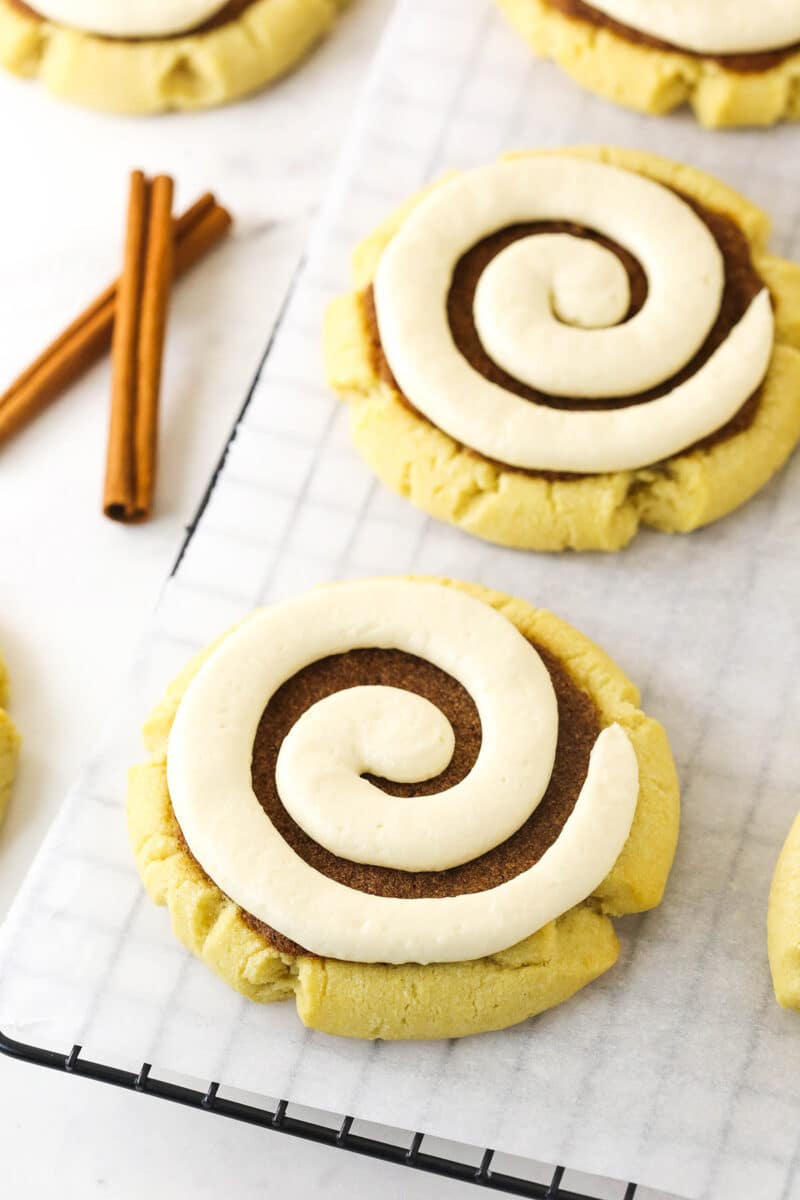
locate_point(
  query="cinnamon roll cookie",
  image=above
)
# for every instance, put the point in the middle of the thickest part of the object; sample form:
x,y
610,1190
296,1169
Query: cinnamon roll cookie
x,y
735,62
411,805
784,922
145,56
560,347
9,744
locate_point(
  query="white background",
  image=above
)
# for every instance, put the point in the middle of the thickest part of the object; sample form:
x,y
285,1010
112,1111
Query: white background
x,y
75,590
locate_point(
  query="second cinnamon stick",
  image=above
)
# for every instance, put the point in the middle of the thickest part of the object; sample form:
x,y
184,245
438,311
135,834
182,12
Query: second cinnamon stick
x,y
89,337
137,350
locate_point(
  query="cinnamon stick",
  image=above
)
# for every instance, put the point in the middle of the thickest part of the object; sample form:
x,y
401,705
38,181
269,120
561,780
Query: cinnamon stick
x,y
120,485
88,338
157,286
137,350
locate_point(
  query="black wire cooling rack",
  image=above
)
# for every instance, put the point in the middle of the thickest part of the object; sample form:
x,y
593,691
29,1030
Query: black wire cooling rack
x,y
280,1120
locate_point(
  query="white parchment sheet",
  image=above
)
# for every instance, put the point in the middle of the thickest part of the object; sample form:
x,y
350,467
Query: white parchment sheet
x,y
677,1070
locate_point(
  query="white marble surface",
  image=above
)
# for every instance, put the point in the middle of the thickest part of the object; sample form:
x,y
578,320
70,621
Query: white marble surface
x,y
75,589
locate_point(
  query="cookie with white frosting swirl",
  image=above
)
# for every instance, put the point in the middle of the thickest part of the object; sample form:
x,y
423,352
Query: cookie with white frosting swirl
x,y
553,349
404,789
735,62
145,56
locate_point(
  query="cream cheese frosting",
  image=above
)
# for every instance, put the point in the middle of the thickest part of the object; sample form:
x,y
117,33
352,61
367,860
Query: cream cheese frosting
x,y
711,26
399,735
549,308
130,18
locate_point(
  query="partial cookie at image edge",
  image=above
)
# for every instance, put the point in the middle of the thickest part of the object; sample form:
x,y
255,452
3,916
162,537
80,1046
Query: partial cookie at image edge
x,y
656,81
783,925
186,72
601,512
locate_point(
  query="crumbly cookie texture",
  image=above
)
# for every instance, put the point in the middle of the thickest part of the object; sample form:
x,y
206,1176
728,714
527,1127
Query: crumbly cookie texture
x,y
9,744
596,512
186,72
413,1001
783,925
656,81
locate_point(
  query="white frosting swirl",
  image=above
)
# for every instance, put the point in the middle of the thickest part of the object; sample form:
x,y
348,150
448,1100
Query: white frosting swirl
x,y
401,736
130,18
547,309
710,26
